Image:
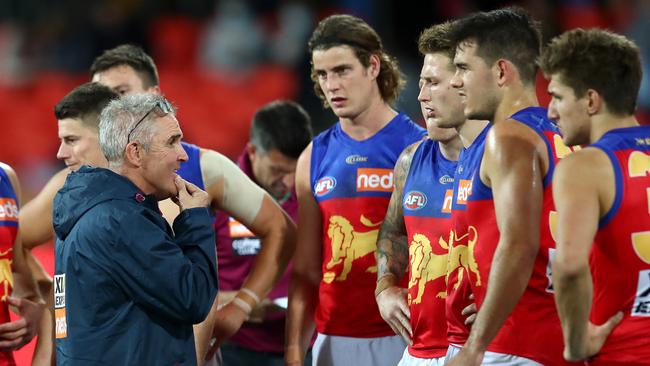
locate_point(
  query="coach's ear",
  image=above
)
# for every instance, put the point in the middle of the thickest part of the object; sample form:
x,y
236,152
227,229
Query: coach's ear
x,y
594,102
133,154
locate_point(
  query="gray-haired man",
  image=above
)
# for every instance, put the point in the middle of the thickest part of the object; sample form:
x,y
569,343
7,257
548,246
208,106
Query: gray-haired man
x,y
127,287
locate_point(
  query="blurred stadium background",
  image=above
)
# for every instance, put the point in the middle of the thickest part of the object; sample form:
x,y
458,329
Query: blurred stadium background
x,y
220,60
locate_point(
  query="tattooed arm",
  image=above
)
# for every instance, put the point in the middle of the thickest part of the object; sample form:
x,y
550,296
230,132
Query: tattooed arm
x,y
392,243
393,255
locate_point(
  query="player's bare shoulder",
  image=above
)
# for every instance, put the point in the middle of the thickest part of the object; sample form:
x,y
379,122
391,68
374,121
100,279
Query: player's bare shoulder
x,y
303,168
229,188
589,166
58,179
511,140
305,155
511,132
403,163
586,171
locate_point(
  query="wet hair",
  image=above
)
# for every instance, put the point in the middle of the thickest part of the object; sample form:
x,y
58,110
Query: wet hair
x,y
508,33
281,125
600,60
85,103
347,30
129,55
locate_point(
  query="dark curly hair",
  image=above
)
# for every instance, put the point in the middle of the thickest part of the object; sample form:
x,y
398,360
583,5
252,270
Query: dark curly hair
x,y
596,59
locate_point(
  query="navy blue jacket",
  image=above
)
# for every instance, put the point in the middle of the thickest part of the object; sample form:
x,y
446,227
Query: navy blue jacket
x,y
127,288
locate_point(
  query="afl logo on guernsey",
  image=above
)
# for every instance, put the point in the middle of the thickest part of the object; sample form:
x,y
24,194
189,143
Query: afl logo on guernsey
x,y
324,186
415,200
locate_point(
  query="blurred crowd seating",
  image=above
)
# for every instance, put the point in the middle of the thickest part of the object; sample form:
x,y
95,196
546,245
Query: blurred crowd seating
x,y
214,108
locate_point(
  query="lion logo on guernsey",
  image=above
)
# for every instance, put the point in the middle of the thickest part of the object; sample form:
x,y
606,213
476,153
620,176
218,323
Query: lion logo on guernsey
x,y
6,276
349,245
461,255
415,200
324,186
426,266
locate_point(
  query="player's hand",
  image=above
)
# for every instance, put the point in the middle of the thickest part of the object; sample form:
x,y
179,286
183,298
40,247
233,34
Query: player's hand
x,y
395,311
227,322
189,195
466,358
264,308
470,312
14,335
595,338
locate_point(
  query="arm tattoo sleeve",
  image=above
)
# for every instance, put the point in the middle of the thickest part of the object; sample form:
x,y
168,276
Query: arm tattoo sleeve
x,y
392,243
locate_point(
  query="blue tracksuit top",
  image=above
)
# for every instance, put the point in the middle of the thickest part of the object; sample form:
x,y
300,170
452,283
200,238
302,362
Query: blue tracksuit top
x,y
127,288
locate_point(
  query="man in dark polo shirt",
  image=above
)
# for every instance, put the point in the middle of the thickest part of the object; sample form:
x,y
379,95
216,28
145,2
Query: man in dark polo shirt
x,y
280,132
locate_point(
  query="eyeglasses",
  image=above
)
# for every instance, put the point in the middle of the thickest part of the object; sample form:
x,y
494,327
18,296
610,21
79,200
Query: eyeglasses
x,y
161,109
